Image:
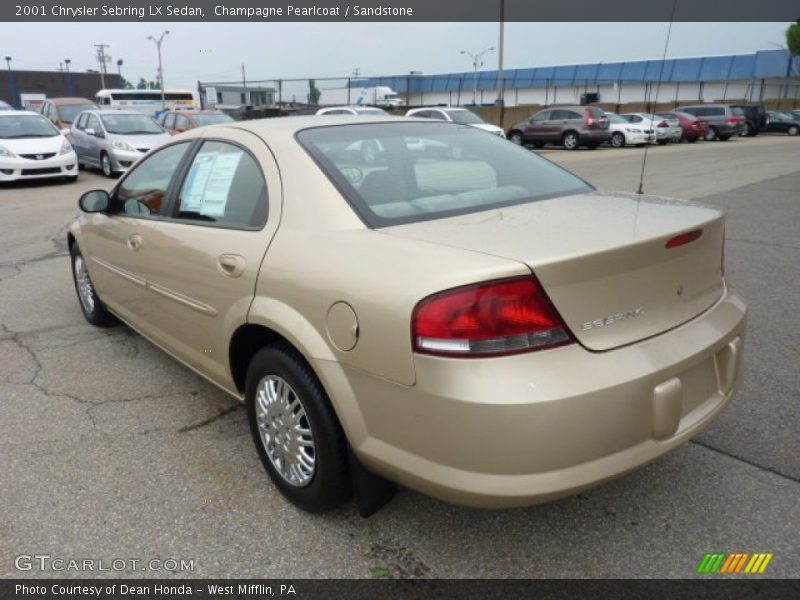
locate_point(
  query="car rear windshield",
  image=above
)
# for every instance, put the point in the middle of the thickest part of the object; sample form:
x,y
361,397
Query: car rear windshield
x,y
123,124
211,119
25,126
395,173
596,113
68,112
465,117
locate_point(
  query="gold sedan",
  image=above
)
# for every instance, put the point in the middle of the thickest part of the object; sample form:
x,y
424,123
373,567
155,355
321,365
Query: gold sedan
x,y
416,302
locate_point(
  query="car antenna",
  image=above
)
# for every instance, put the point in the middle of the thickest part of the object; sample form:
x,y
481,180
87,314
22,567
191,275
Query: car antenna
x,y
658,88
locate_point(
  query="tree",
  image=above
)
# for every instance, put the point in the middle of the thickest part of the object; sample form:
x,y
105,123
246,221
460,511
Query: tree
x,y
142,85
793,38
124,83
314,93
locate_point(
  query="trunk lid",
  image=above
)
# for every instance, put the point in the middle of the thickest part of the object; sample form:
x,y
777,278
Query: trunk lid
x,y
602,258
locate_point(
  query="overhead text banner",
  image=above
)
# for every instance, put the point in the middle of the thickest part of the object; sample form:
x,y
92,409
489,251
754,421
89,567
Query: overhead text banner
x,y
401,10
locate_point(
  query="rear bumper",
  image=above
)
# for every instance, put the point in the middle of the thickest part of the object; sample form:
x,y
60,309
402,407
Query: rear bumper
x,y
595,136
525,429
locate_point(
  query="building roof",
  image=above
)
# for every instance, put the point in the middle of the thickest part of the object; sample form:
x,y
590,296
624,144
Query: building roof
x,y
763,64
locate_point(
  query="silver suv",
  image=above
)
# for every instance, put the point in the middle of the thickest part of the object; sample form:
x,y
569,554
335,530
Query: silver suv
x,y
113,140
724,120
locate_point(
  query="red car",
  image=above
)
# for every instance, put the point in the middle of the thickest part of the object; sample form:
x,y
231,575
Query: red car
x,y
693,128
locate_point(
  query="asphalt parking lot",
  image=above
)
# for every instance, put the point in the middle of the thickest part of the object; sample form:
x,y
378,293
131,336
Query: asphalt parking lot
x,y
111,449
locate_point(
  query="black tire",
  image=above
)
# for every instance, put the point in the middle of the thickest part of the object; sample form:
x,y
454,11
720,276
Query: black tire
x,y
712,134
570,140
793,130
618,139
330,482
105,165
95,311
515,137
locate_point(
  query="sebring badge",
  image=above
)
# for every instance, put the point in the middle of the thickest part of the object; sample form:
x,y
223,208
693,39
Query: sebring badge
x,y
613,319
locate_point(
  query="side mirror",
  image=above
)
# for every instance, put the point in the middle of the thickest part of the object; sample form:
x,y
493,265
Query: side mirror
x,y
94,201
88,131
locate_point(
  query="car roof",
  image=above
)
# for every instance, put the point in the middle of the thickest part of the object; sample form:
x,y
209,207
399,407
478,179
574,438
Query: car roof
x,y
70,100
7,112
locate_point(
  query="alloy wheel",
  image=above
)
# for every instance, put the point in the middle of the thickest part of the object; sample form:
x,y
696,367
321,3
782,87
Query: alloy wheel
x,y
285,431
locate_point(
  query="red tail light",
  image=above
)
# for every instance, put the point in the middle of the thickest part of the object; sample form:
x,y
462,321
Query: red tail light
x,y
587,113
684,238
488,319
663,124
733,120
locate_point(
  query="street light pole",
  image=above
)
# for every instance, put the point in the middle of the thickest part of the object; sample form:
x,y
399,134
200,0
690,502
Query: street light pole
x,y
157,42
66,62
476,63
8,63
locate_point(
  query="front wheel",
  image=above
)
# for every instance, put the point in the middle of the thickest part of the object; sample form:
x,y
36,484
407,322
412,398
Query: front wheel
x,y
570,141
793,130
297,435
515,137
105,165
711,135
93,309
618,139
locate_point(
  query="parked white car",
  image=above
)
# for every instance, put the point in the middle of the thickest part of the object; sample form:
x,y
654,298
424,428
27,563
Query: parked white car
x,y
665,131
32,148
455,115
368,111
624,133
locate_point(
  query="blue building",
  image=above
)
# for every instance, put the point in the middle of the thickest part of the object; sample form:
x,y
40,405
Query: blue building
x,y
760,76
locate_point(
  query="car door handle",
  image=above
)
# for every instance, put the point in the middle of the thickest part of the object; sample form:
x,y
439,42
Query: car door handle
x,y
135,242
231,265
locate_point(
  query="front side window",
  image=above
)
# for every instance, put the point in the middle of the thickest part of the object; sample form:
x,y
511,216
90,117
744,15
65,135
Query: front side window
x,y
92,122
182,123
144,191
169,121
223,187
431,170
542,116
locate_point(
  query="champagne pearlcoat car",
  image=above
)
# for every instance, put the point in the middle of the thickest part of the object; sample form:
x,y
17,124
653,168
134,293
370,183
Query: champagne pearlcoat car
x,y
480,325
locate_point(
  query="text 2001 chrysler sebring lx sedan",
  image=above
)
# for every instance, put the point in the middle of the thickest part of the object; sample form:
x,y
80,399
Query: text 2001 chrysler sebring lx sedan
x,y
487,329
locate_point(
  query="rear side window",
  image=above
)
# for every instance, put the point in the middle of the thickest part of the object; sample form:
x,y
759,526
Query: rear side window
x,y
420,171
737,111
223,187
716,111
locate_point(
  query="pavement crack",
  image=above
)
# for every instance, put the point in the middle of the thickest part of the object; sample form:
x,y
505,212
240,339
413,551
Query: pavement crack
x,y
746,461
210,420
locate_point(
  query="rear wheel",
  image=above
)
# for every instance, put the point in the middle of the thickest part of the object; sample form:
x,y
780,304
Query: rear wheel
x,y
617,139
711,135
295,430
793,130
515,137
570,140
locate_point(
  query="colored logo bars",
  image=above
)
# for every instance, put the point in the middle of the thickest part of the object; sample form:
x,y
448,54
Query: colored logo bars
x,y
734,562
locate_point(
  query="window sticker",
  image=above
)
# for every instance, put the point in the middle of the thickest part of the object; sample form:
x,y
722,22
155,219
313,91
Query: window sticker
x,y
209,182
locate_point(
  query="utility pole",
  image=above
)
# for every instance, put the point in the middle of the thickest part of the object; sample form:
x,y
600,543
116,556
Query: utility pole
x,y
500,75
157,42
102,58
356,72
66,62
244,85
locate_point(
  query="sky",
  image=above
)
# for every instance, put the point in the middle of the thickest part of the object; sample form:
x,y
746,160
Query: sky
x,y
216,51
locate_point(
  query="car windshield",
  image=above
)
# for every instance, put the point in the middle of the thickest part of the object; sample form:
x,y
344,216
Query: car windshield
x,y
394,173
615,119
130,124
26,126
68,112
211,119
465,117
371,111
